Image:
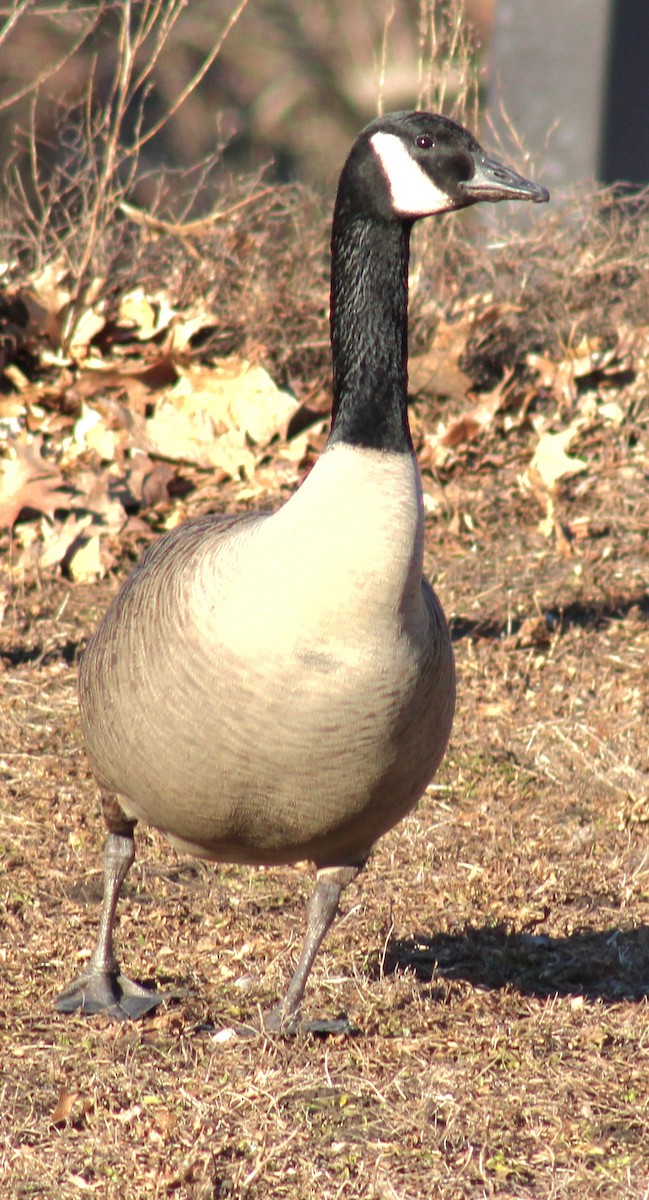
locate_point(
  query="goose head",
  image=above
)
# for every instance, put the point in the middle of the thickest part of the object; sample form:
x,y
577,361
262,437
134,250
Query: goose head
x,y
402,166
408,165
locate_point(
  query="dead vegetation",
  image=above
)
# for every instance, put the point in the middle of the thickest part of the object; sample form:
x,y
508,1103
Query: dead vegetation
x,y
495,955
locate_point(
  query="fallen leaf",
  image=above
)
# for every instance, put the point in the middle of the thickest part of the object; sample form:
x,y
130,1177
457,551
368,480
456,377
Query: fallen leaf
x,y
83,563
185,327
28,481
550,461
154,375
103,494
57,539
49,299
141,315
465,427
437,372
220,418
91,431
64,1105
87,325
44,299
462,430
553,376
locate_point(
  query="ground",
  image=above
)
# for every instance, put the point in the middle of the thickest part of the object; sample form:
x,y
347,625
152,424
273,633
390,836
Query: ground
x,y
493,957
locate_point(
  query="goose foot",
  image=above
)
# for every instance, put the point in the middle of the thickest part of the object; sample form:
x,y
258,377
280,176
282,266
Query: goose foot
x,y
336,1027
277,1021
323,906
110,992
102,987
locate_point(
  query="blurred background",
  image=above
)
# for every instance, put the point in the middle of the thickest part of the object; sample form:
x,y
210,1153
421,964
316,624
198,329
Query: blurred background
x,y
290,86
233,87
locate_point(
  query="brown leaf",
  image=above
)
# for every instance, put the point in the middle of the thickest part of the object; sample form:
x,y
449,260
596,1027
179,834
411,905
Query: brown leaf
x,y
44,299
462,430
438,371
49,298
142,315
137,380
64,1105
155,485
554,377
467,426
56,540
86,327
27,480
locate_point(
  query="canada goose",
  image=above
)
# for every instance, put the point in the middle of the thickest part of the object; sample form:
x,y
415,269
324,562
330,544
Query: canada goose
x,y
280,686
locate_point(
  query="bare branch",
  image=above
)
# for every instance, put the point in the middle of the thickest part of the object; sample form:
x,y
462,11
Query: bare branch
x,y
170,15
196,228
197,77
35,84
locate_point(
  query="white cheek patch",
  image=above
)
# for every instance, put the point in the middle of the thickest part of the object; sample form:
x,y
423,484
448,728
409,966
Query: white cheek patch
x,y
413,192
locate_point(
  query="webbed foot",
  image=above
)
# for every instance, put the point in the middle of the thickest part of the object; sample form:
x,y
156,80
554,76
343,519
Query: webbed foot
x,y
277,1021
110,992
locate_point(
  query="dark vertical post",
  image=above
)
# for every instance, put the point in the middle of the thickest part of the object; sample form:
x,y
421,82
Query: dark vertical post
x,y
624,144
573,78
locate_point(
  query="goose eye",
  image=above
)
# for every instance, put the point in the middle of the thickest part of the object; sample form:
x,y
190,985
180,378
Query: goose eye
x,y
425,141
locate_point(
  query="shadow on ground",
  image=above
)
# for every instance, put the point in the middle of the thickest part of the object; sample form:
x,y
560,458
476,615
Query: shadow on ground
x,y
580,614
611,966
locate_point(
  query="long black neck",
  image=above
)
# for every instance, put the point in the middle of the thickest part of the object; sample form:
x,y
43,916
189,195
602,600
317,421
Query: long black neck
x,y
369,332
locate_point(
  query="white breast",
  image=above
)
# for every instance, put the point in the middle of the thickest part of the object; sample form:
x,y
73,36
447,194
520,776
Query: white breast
x,y
341,561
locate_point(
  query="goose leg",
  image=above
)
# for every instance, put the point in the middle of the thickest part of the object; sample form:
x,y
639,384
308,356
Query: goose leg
x,y
323,906
102,987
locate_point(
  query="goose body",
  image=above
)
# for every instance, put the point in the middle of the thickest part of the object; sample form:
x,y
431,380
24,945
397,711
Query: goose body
x,y
276,687
330,661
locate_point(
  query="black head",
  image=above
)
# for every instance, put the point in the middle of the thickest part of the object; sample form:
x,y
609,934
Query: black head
x,y
407,165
